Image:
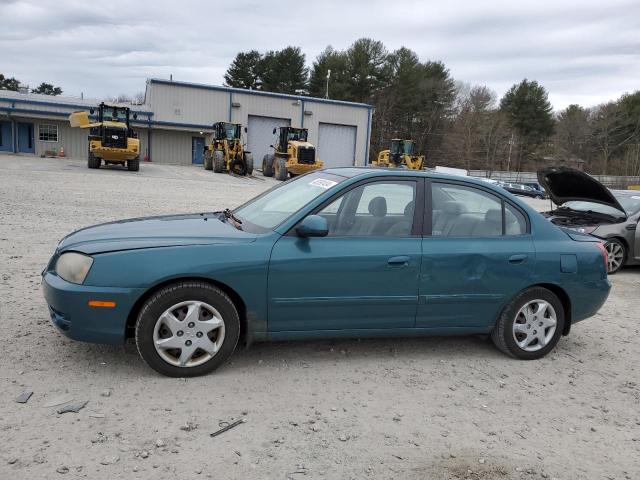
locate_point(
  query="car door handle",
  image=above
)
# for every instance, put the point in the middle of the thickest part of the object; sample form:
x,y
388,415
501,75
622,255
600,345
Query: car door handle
x,y
518,258
399,261
631,227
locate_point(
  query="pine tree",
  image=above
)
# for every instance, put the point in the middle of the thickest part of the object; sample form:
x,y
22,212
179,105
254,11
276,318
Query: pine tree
x,y
335,61
284,71
47,89
245,71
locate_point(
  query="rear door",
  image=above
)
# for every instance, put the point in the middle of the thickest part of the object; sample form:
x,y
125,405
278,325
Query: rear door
x,y
477,253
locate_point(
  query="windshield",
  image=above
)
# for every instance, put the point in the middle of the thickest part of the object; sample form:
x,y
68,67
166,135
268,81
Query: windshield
x,y
113,114
276,205
230,131
297,135
630,203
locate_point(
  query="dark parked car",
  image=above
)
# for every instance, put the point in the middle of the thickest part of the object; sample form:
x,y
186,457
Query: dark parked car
x,y
520,189
537,188
344,252
585,205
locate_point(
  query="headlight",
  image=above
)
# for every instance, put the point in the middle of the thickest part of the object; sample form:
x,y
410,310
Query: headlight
x,y
585,229
73,266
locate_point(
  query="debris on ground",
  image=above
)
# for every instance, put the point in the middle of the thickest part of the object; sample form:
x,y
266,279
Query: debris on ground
x,y
73,407
110,460
24,397
189,426
227,427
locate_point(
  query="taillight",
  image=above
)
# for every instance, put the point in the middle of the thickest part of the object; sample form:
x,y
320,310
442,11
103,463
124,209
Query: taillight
x,y
605,255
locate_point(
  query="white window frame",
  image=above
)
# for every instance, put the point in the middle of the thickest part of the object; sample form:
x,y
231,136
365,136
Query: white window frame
x,y
50,129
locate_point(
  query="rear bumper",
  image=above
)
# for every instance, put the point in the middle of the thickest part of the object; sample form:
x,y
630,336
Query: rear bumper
x,y
71,314
587,303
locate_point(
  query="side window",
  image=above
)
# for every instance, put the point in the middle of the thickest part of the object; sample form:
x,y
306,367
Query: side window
x,y
514,221
460,211
382,209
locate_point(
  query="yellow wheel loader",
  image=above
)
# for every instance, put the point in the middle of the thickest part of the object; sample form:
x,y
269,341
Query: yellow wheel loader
x,y
400,155
293,154
226,152
111,138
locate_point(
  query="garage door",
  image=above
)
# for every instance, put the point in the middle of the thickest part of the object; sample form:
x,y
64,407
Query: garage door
x,y
337,145
260,135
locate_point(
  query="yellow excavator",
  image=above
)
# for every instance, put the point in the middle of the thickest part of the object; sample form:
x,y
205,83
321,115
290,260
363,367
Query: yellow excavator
x,y
111,138
293,154
226,152
400,155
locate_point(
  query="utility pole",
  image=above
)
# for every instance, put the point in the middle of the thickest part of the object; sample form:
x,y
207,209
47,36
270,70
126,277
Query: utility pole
x,y
509,158
328,76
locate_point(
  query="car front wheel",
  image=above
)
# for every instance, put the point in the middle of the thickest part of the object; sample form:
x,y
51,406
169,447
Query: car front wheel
x,y
616,254
187,329
530,325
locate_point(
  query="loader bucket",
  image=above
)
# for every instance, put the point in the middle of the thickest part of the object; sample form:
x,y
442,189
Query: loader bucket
x,y
79,119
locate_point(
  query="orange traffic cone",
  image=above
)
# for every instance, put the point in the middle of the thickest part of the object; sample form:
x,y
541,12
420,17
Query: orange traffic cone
x,y
61,154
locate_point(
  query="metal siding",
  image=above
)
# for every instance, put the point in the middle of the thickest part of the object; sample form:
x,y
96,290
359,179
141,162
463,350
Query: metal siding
x,y
337,144
171,147
338,115
179,104
260,135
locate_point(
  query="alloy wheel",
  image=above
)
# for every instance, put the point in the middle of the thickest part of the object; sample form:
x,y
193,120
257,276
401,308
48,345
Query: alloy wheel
x,y
189,334
534,325
615,254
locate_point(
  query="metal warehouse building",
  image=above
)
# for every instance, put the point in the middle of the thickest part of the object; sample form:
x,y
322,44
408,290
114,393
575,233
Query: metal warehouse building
x,y
176,118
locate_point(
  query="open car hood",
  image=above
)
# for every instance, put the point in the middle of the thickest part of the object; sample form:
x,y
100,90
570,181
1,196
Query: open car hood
x,y
565,184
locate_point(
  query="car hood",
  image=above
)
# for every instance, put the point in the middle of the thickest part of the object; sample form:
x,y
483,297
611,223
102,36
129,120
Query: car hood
x,y
152,232
565,184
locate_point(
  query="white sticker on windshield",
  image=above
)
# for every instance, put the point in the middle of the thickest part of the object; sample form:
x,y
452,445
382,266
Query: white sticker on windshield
x,y
635,197
322,183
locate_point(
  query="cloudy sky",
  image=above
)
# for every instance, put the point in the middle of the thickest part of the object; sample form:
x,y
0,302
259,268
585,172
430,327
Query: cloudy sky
x,y
585,51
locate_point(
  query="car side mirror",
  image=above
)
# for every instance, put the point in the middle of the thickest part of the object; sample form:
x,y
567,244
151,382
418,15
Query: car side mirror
x,y
313,226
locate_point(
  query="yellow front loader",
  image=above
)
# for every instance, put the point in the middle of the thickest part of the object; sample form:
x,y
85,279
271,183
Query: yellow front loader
x,y
293,154
400,155
226,151
111,138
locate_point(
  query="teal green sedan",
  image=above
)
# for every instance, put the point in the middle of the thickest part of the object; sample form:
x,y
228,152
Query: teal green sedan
x,y
344,252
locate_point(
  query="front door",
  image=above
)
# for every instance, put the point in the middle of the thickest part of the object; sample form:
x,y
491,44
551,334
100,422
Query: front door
x,y
479,253
363,275
197,150
25,138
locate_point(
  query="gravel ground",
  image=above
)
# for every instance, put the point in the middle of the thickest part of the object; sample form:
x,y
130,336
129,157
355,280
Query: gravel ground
x,y
429,408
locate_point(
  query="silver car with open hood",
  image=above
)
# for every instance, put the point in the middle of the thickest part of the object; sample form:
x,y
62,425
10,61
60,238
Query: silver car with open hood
x,y
584,204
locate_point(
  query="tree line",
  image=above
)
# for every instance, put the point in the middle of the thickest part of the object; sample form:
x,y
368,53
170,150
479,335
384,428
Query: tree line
x,y
453,123
12,83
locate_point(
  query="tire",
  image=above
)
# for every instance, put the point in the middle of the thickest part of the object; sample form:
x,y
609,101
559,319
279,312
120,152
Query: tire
x,y
525,342
93,161
238,167
248,160
154,324
267,165
218,161
617,253
281,168
133,165
208,161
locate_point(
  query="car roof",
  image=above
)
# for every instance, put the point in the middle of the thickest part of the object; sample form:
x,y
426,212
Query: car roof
x,y
351,172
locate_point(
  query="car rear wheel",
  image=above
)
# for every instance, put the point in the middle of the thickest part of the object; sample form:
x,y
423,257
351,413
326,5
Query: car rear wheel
x,y
530,325
187,329
616,254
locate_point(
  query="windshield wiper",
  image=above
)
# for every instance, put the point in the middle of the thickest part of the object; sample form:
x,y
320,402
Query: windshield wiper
x,y
228,215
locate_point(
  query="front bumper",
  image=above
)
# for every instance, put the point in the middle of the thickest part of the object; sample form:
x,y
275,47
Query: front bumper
x,y
70,311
